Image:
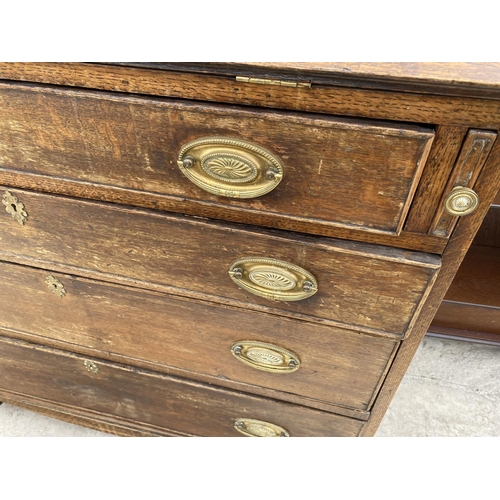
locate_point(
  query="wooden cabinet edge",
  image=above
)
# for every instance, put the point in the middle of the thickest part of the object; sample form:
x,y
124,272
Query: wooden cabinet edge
x,y
486,186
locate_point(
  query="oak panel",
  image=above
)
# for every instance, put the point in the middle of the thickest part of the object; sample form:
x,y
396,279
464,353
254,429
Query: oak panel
x,y
489,232
88,190
146,397
360,285
396,105
471,318
351,173
193,338
475,150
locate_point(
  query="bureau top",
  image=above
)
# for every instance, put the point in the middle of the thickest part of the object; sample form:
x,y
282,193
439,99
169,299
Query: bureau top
x,y
453,78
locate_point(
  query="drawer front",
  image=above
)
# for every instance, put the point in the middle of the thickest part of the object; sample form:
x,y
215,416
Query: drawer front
x,y
335,366
141,396
370,288
340,172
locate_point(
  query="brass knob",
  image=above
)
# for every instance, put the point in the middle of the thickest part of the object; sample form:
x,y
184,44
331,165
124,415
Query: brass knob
x,y
265,357
230,167
273,279
461,201
259,428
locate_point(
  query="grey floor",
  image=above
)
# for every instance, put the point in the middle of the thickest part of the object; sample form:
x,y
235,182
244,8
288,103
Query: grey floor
x,y
451,388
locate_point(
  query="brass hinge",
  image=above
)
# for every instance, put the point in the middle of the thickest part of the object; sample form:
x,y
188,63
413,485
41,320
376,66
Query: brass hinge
x,y
266,81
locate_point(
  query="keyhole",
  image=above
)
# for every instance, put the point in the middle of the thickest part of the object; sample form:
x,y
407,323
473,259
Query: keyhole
x,y
13,207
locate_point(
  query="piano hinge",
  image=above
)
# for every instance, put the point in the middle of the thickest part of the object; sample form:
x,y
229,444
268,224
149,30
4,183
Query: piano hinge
x,y
265,81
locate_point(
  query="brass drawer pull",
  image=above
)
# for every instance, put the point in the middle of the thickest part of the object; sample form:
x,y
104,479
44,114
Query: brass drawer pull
x,y
461,201
259,428
273,279
230,167
266,357
14,207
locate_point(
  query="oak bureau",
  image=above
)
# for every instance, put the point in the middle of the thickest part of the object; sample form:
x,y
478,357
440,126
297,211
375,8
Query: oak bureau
x,y
232,249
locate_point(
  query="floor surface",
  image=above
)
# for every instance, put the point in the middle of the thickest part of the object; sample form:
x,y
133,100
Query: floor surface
x,y
452,388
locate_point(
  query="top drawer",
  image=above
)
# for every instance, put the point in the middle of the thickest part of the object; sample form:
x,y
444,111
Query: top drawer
x,y
336,172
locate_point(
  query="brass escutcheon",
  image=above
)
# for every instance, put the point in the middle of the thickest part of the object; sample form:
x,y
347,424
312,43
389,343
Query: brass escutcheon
x,y
273,279
259,428
265,357
230,167
461,201
14,207
91,366
55,286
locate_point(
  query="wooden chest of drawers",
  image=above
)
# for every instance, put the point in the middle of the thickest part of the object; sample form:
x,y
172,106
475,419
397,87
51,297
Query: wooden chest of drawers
x,y
227,250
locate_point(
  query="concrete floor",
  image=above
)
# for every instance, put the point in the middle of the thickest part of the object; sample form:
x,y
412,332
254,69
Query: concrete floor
x,y
452,388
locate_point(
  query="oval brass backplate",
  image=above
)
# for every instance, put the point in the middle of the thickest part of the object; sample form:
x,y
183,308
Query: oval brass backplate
x,y
259,428
230,167
266,357
273,279
461,201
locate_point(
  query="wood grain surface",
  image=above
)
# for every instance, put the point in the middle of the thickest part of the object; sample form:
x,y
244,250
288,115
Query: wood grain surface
x,y
192,338
142,396
83,419
445,149
489,232
88,190
475,150
472,303
470,319
351,173
478,278
486,187
452,78
359,285
394,105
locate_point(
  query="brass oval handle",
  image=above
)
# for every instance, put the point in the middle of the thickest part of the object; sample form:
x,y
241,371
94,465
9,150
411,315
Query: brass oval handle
x,y
259,428
273,279
461,201
230,167
266,357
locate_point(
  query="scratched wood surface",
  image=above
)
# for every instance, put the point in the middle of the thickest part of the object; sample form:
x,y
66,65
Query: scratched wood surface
x,y
486,187
445,149
430,108
84,419
475,150
193,338
143,396
350,173
359,285
449,78
369,283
